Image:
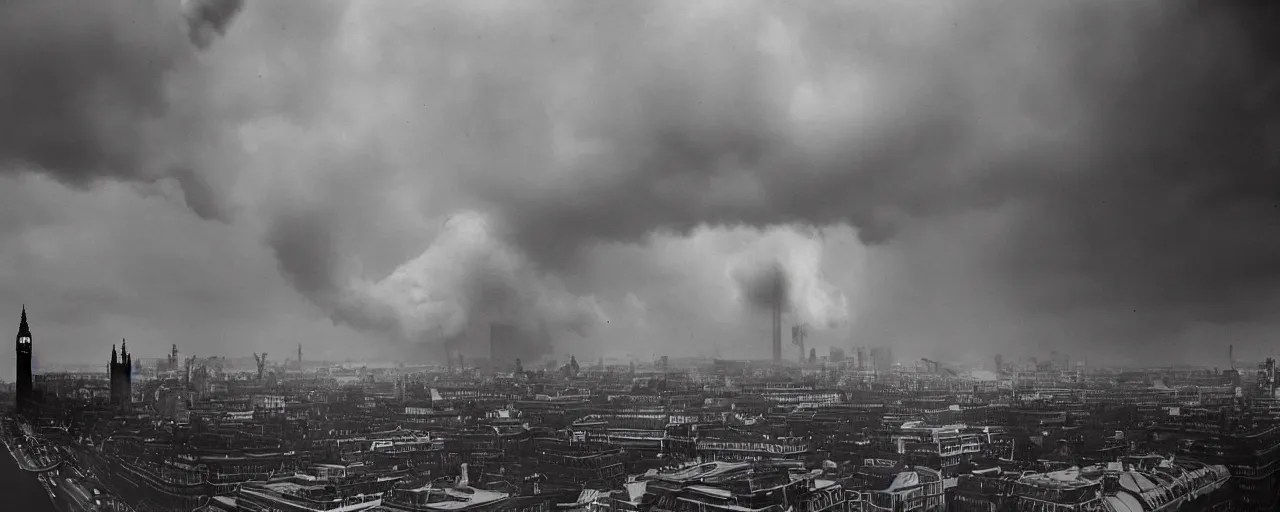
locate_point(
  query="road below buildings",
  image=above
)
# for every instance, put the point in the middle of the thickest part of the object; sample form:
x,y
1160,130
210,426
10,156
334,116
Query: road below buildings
x,y
38,479
22,490
74,492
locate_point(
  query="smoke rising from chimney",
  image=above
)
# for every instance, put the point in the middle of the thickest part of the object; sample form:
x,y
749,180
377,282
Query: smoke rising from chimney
x,y
783,270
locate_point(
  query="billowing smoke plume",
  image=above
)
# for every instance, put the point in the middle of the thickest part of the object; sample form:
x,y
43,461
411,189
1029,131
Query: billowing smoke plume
x,y
208,19
764,285
1119,133
1108,135
467,274
86,94
785,268
1127,148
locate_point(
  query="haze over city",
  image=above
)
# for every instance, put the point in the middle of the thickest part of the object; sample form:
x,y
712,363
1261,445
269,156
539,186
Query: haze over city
x,y
952,179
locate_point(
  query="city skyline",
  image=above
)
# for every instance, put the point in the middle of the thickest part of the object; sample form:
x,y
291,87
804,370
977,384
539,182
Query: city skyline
x,y
1096,177
640,256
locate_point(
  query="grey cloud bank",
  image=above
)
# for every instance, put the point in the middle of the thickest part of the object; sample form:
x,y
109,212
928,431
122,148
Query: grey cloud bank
x,y
1086,174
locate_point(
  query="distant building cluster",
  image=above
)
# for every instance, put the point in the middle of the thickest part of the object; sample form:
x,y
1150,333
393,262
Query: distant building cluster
x,y
856,431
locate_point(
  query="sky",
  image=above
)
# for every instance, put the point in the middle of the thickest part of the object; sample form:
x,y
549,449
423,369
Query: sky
x,y
953,179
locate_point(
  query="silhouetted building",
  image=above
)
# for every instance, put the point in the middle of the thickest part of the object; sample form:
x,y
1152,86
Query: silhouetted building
x,y
171,362
121,376
882,358
23,345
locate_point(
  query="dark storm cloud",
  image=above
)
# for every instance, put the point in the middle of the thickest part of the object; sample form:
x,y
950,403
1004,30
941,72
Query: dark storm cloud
x,y
207,19
704,131
1126,147
1169,205
1150,92
1130,139
198,195
84,88
302,244
1119,132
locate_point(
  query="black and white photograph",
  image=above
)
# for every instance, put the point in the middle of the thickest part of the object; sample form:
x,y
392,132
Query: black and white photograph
x,y
640,255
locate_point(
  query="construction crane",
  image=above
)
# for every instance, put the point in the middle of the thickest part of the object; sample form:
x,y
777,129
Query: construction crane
x,y
936,367
261,360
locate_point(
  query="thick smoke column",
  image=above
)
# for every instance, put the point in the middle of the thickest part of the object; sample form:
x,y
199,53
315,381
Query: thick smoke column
x,y
784,269
467,275
764,285
208,19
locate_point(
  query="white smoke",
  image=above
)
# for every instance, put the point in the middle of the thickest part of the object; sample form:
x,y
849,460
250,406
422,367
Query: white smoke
x,y
469,273
786,264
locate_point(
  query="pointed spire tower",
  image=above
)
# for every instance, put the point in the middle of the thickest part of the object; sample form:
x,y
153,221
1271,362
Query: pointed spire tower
x,y
23,327
115,376
22,346
126,372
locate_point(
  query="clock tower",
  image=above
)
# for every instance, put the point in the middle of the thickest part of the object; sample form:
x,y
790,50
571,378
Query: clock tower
x,y
23,346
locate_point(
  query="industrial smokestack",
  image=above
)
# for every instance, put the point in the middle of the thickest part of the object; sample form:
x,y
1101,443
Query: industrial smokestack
x,y
777,325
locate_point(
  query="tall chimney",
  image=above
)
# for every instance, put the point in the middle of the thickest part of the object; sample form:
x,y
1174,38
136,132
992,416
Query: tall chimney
x,y
777,327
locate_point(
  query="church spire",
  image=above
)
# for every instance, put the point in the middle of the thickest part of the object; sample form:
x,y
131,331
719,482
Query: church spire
x,y
113,354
